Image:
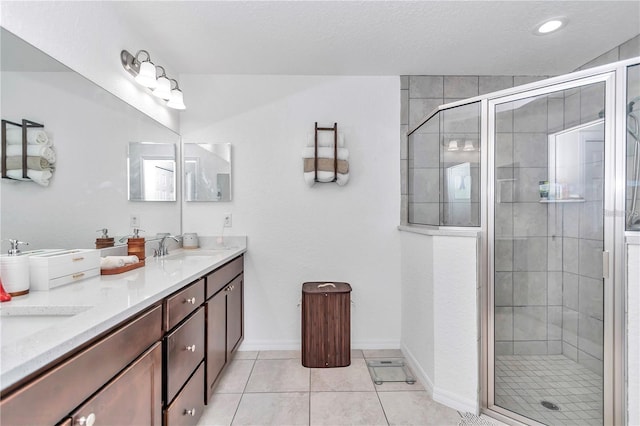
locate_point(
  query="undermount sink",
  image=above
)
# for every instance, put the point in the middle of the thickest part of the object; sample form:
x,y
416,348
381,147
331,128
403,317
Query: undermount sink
x,y
16,324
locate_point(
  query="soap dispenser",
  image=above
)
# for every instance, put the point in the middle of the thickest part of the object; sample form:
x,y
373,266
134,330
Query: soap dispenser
x,y
104,240
14,270
135,244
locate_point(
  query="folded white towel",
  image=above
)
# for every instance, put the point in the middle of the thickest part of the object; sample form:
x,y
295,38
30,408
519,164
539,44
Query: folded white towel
x,y
35,136
325,139
112,262
41,177
34,151
342,179
308,152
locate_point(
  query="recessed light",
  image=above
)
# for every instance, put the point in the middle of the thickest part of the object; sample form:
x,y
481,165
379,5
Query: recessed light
x,y
550,26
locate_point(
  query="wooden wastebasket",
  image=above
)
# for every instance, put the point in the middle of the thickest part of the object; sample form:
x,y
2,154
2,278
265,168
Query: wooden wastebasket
x,y
326,324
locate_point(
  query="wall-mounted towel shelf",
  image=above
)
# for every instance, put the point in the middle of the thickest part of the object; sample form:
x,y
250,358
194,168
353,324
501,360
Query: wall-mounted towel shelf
x,y
26,124
325,158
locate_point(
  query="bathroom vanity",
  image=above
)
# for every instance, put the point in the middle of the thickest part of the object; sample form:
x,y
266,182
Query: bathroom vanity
x,y
142,347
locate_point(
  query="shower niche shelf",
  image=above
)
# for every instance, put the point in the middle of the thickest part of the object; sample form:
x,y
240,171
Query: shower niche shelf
x,y
564,200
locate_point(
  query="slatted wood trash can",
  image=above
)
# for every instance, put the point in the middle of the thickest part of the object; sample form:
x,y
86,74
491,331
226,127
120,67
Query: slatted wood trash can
x,y
326,324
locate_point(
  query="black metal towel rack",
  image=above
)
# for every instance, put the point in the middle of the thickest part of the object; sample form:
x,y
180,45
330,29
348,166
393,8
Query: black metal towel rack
x,y
333,129
26,124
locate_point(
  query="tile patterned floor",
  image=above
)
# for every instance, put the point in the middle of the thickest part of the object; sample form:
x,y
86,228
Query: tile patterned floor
x,y
273,388
522,382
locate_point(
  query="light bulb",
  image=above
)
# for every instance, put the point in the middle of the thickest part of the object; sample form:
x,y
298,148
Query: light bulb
x,y
177,100
147,75
163,88
468,146
453,146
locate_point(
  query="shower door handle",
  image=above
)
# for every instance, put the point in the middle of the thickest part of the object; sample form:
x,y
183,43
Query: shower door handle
x,y
605,265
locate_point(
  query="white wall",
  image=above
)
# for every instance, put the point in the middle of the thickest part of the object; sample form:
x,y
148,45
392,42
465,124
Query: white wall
x,y
440,333
633,333
456,336
298,233
88,38
90,130
417,303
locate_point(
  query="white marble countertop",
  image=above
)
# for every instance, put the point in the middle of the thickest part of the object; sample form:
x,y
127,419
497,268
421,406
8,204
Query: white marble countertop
x,y
95,305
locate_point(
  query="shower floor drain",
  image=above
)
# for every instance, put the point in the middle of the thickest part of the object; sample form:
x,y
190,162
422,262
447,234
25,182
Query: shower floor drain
x,y
550,405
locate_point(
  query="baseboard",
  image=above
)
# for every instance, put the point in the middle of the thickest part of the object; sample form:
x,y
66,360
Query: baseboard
x,y
417,369
454,401
289,345
270,345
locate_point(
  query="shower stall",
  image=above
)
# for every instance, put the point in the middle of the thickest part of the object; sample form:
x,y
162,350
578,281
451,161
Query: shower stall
x,y
552,184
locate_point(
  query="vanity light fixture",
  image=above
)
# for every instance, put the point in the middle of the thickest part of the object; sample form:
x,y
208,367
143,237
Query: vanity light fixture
x,y
550,26
145,73
468,146
453,146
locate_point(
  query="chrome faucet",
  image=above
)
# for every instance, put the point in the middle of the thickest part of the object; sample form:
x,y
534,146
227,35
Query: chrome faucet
x,y
163,250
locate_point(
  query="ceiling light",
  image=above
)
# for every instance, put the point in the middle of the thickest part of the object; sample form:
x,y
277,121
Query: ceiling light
x,y
453,146
144,72
550,26
177,100
468,146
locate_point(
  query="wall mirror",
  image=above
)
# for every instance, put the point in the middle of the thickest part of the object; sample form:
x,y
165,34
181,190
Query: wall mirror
x,y
152,171
207,172
91,130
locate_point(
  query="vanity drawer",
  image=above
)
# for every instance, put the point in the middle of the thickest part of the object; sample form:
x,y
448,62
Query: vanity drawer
x,y
188,406
51,396
184,350
223,275
180,305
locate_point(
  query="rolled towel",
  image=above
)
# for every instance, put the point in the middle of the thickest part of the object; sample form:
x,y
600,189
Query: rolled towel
x,y
325,139
35,136
41,177
308,152
33,163
325,165
342,180
33,151
112,262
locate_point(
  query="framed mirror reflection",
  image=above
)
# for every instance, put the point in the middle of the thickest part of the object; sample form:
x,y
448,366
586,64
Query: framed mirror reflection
x,y
207,172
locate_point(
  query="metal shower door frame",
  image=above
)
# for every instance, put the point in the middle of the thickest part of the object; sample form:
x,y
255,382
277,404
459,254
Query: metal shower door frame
x,y
613,203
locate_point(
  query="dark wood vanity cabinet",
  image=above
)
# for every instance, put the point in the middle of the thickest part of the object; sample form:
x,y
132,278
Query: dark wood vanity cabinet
x,y
184,348
225,318
122,365
158,367
132,398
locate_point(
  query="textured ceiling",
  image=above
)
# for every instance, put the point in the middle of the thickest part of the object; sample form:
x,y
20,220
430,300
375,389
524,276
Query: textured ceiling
x,y
379,38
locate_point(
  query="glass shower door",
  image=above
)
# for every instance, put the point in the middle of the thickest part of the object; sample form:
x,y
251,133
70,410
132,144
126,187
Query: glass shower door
x,y
548,239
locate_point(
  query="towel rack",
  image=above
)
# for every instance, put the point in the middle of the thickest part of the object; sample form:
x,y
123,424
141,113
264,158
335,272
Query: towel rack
x,y
26,124
333,129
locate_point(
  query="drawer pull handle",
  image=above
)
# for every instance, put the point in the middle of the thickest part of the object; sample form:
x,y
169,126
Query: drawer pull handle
x,y
76,276
192,300
76,259
87,421
191,348
191,412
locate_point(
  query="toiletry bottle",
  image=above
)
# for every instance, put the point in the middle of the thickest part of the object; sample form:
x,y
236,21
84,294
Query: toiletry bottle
x,y
14,269
135,245
104,240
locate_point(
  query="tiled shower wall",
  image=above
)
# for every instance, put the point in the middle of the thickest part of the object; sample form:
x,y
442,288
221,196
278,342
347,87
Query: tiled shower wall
x,y
548,256
421,94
